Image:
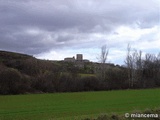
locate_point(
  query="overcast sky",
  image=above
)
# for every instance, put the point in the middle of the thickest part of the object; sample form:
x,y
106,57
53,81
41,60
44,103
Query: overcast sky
x,y
55,29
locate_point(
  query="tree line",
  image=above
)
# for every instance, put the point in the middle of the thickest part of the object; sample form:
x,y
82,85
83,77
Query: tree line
x,y
142,71
30,75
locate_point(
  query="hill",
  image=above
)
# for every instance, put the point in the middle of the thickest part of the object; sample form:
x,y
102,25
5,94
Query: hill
x,y
6,55
21,73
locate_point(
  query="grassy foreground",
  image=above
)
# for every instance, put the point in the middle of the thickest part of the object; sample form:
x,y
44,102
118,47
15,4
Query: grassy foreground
x,y
63,106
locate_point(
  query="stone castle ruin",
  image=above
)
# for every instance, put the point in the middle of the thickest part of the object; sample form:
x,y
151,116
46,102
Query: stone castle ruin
x,y
79,58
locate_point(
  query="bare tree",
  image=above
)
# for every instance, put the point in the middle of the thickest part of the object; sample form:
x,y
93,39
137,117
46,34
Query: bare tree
x,y
104,54
129,65
134,65
103,58
139,67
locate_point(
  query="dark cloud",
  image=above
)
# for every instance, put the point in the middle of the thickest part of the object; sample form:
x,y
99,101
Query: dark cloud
x,y
35,26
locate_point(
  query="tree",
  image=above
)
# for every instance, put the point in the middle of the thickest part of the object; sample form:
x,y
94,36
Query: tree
x,y
104,54
129,65
134,66
103,66
144,72
10,81
151,70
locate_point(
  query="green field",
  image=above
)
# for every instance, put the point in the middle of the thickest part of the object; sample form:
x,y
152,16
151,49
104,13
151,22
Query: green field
x,y
76,105
87,75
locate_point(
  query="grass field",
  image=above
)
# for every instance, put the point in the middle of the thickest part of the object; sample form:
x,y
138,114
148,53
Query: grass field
x,y
87,75
63,106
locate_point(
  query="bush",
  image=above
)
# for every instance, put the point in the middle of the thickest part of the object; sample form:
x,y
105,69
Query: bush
x,y
122,117
90,83
13,82
44,82
116,78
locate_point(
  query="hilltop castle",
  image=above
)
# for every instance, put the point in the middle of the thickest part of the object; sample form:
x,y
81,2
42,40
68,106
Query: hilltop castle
x,y
79,58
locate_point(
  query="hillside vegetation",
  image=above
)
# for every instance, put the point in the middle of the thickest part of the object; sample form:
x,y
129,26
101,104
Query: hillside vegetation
x,y
20,74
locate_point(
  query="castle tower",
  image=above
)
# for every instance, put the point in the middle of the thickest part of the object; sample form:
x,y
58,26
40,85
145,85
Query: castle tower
x,y
79,57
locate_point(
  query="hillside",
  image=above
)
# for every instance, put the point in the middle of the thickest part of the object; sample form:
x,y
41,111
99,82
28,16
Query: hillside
x,y
20,73
14,60
6,55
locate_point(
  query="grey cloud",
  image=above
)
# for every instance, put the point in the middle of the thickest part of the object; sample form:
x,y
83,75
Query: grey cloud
x,y
56,17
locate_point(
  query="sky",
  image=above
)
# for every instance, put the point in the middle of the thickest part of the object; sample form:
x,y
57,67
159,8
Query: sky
x,y
55,29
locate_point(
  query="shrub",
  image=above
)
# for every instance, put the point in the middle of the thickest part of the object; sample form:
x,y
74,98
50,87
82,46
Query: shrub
x,y
44,82
90,83
9,81
13,82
